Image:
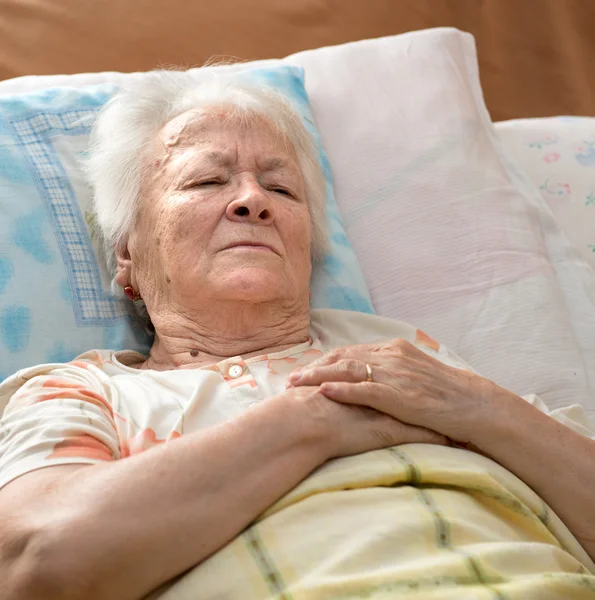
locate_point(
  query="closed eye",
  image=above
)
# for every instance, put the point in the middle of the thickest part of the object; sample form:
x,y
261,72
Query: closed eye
x,y
282,191
207,183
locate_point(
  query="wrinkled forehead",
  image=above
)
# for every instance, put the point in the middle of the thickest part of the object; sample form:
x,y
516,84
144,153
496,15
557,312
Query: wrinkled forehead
x,y
206,125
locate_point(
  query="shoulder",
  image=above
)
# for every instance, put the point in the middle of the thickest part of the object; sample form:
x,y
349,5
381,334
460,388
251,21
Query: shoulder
x,y
91,370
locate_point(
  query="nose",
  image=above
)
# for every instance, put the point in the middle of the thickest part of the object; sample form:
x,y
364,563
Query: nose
x,y
252,205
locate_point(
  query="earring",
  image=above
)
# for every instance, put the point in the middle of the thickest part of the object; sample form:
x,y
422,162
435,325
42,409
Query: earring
x,y
131,293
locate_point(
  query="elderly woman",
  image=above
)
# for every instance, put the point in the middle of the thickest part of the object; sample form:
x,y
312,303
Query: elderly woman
x,y
120,472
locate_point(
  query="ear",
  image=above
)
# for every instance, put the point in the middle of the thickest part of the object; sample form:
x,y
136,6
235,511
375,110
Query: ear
x,y
124,271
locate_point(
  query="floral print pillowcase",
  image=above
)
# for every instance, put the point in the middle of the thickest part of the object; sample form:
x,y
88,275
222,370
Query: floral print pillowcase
x,y
558,153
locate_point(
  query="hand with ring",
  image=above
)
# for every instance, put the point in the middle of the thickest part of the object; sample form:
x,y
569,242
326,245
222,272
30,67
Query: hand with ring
x,y
400,380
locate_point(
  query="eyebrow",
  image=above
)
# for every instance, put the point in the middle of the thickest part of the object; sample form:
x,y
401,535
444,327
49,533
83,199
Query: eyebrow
x,y
218,157
274,164
225,159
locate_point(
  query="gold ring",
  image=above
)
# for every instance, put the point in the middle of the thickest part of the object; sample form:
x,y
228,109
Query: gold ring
x,y
368,372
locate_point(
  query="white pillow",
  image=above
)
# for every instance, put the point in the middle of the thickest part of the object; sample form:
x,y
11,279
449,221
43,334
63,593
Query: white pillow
x,y
448,238
558,154
449,235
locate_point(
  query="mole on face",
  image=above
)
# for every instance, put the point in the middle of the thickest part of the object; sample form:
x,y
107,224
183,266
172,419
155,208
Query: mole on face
x,y
194,352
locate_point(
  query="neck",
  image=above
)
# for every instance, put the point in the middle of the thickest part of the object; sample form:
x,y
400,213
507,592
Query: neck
x,y
191,339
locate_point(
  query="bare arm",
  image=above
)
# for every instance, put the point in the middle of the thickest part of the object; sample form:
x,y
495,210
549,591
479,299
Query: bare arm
x,y
119,530
554,460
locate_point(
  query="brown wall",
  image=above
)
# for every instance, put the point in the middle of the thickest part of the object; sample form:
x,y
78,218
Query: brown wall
x,y
536,56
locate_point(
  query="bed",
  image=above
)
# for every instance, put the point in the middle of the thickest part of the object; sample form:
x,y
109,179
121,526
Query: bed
x,y
458,142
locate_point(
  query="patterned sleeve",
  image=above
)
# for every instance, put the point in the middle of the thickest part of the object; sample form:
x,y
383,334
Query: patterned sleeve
x,y
55,415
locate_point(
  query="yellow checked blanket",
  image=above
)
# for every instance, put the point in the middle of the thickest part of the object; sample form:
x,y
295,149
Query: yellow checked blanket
x,y
414,522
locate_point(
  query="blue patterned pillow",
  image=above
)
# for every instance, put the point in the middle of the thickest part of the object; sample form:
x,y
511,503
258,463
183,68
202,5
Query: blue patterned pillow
x,y
54,293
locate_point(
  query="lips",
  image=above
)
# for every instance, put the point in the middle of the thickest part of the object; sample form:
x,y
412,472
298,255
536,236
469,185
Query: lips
x,y
251,243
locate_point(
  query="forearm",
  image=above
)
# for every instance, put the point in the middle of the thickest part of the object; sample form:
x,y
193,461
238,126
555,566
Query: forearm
x,y
124,528
555,461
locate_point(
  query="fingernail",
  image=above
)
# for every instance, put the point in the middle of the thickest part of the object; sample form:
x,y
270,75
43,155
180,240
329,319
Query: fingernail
x,y
295,377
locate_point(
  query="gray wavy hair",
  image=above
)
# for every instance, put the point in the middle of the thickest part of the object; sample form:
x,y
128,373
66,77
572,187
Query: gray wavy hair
x,y
127,125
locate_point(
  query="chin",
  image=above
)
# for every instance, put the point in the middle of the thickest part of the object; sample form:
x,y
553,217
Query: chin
x,y
253,285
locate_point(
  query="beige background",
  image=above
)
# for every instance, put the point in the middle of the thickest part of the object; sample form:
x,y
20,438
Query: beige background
x,y
537,57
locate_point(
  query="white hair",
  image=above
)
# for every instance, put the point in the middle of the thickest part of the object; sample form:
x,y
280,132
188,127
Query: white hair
x,y
127,125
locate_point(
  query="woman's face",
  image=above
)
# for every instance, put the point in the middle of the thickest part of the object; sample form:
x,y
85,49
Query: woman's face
x,y
222,216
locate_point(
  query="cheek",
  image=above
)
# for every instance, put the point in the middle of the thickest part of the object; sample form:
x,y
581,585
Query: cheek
x,y
299,234
182,225
160,237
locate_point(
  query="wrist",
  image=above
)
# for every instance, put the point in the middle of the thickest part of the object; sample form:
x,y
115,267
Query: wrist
x,y
296,424
500,418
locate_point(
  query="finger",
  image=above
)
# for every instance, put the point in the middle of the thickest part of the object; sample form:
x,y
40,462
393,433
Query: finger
x,y
378,396
335,356
348,369
387,353
323,361
392,432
